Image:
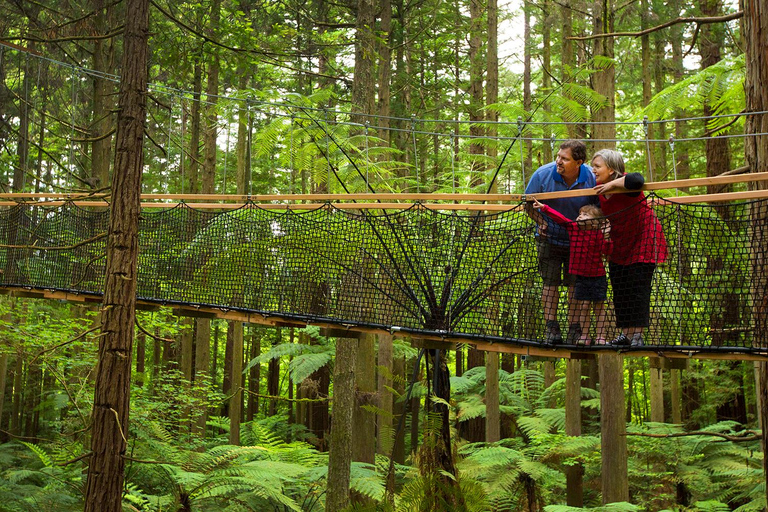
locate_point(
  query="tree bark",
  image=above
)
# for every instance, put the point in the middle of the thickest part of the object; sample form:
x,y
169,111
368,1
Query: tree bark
x,y
194,134
604,80
492,80
613,429
208,180
103,57
476,66
340,451
111,405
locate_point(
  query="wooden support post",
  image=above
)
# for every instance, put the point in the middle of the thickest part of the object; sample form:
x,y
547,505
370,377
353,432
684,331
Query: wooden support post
x,y
613,429
492,414
236,398
657,392
573,474
364,421
340,450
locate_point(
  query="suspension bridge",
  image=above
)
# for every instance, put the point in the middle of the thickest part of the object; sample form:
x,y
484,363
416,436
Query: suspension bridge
x,y
449,265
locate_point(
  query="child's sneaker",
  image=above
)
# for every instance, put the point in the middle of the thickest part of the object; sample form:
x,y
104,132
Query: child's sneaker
x,y
553,336
621,341
637,340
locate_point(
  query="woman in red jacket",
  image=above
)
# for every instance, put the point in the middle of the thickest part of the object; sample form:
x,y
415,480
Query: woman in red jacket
x,y
638,244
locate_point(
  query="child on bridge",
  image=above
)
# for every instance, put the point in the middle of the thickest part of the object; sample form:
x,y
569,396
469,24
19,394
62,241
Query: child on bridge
x,y
589,237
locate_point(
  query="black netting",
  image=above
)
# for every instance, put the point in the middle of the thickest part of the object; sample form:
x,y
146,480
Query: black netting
x,y
467,274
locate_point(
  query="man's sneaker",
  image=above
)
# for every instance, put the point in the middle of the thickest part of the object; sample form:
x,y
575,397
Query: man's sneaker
x,y
637,340
621,341
574,333
553,335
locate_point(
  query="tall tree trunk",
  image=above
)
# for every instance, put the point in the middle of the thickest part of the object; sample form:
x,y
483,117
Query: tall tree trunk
x,y
476,65
111,405
103,62
208,180
546,75
363,86
384,43
604,80
527,162
683,165
492,81
755,29
192,169
340,451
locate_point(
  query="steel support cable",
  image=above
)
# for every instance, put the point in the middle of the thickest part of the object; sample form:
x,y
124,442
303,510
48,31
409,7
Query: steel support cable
x,y
321,226
403,247
404,281
179,91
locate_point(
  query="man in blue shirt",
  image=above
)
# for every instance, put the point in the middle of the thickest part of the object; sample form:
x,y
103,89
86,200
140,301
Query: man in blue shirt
x,y
567,172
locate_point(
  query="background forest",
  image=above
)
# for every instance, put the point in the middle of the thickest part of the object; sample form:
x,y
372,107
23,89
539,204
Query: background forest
x,y
364,95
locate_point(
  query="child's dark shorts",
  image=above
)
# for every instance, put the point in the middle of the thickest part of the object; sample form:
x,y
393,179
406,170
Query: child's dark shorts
x,y
593,289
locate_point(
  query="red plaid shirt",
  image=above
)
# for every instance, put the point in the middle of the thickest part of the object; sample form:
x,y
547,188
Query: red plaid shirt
x,y
587,245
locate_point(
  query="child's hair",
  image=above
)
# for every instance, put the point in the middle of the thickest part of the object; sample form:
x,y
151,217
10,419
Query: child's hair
x,y
592,210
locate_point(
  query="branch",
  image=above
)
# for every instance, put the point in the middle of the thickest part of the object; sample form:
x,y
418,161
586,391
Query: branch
x,y
72,461
735,439
697,20
56,248
110,35
144,331
62,344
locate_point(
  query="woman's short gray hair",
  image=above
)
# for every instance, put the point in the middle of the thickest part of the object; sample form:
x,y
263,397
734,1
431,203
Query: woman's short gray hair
x,y
613,160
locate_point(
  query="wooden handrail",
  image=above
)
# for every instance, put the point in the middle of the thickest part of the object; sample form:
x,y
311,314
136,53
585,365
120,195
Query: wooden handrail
x,y
288,201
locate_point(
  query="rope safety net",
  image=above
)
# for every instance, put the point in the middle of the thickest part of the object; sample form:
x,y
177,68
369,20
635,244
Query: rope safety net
x,y
468,274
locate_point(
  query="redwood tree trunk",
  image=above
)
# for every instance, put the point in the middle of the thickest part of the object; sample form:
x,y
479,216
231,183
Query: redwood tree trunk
x,y
755,28
104,487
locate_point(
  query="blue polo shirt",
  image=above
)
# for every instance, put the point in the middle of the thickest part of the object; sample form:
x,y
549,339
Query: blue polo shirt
x,y
547,179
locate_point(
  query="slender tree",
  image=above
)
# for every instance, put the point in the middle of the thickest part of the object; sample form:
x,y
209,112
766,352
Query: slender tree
x,y
111,405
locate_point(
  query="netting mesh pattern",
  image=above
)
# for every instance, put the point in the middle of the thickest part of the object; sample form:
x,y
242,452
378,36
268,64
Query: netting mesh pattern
x,y
461,273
